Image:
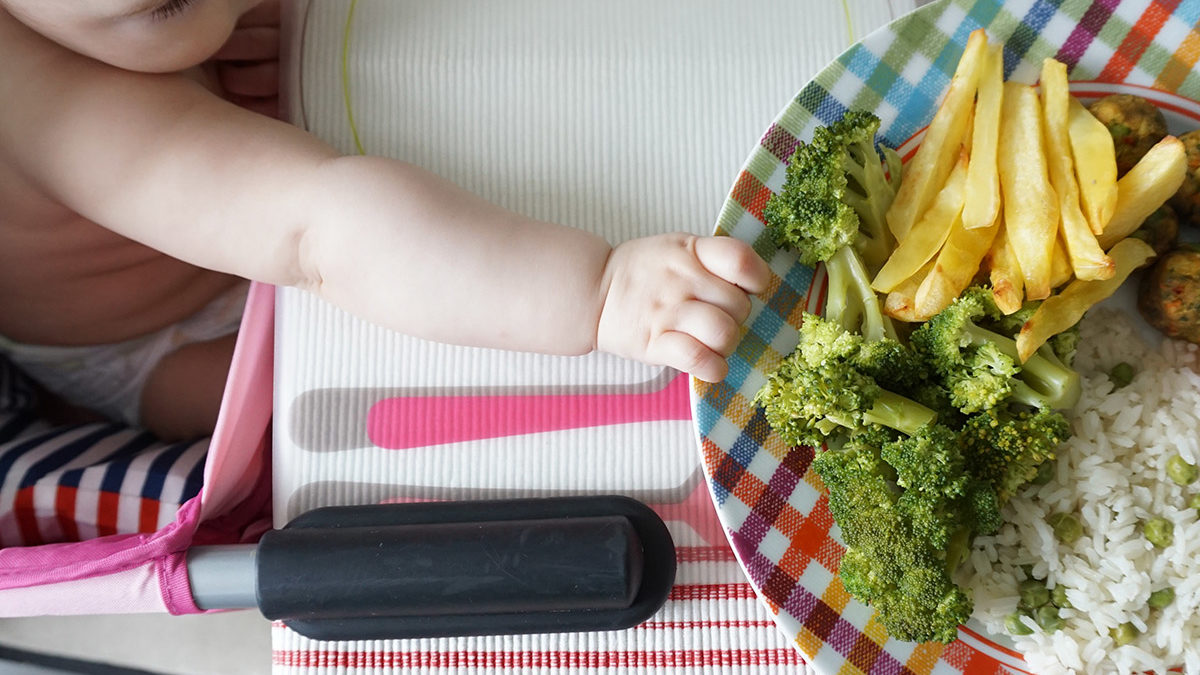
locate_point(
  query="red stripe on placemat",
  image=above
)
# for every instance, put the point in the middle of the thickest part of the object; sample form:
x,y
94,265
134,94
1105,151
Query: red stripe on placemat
x,y
739,591
550,659
27,517
727,623
1140,37
64,511
696,554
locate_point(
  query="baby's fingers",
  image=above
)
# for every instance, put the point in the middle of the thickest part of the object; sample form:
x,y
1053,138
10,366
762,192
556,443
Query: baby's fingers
x,y
710,325
734,261
684,352
703,336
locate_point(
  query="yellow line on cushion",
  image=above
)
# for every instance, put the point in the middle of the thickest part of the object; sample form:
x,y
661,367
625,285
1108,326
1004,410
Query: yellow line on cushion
x,y
346,77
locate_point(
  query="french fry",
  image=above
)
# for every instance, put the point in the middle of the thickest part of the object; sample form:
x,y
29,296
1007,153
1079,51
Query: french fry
x,y
1087,258
1095,164
1060,266
1060,312
901,303
1030,203
929,233
955,267
1156,176
983,181
1008,286
927,171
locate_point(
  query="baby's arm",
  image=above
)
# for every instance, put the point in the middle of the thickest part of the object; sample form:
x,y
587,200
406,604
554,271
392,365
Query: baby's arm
x,y
162,161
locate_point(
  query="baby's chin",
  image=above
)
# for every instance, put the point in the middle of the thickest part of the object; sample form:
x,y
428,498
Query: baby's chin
x,y
158,62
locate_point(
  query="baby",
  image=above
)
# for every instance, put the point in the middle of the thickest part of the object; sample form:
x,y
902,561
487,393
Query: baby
x,y
135,201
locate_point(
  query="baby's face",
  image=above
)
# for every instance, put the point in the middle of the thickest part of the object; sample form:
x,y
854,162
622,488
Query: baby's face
x,y
153,36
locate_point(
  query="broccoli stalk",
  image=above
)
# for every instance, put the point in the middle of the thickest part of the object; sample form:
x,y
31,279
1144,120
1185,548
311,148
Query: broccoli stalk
x,y
981,368
868,191
898,412
851,300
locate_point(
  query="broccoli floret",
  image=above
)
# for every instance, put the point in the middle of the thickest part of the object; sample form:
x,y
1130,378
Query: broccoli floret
x,y
929,460
808,213
831,209
983,511
980,367
836,193
945,504
888,563
1005,448
826,387
926,605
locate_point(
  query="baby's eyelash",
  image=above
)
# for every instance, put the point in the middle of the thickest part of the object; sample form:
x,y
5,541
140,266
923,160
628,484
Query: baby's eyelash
x,y
170,8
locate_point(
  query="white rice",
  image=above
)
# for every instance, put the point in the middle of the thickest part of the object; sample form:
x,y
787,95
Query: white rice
x,y
1111,474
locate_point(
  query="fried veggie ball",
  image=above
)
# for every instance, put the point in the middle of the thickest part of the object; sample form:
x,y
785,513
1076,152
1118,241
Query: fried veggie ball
x,y
1160,230
1135,124
1169,296
1187,200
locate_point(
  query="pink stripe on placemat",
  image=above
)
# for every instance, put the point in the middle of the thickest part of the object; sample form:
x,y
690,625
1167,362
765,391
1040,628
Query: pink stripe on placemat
x,y
420,421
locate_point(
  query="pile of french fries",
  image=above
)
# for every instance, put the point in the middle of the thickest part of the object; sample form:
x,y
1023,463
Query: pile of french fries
x,y
1017,186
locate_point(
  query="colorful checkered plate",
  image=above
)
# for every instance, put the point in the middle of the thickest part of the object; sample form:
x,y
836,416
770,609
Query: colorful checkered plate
x,y
771,505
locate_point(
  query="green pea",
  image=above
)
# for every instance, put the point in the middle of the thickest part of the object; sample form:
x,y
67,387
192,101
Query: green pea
x,y
1180,471
1121,375
1047,617
1066,527
1159,531
1161,598
1045,473
1194,502
1015,626
1058,596
1119,131
1124,634
1033,594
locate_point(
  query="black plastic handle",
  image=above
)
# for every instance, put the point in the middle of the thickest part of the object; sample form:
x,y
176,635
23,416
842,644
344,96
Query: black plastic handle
x,y
437,569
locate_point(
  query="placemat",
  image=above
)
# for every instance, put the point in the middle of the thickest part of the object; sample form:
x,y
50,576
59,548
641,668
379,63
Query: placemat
x,y
623,117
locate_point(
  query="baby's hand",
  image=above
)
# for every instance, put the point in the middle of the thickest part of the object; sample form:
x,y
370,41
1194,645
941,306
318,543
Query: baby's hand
x,y
678,300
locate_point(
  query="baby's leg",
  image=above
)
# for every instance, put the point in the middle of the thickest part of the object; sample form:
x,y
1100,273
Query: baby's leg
x,y
182,397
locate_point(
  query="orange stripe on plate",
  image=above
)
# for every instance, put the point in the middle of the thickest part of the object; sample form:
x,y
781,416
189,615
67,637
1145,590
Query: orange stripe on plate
x,y
1140,37
1180,63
